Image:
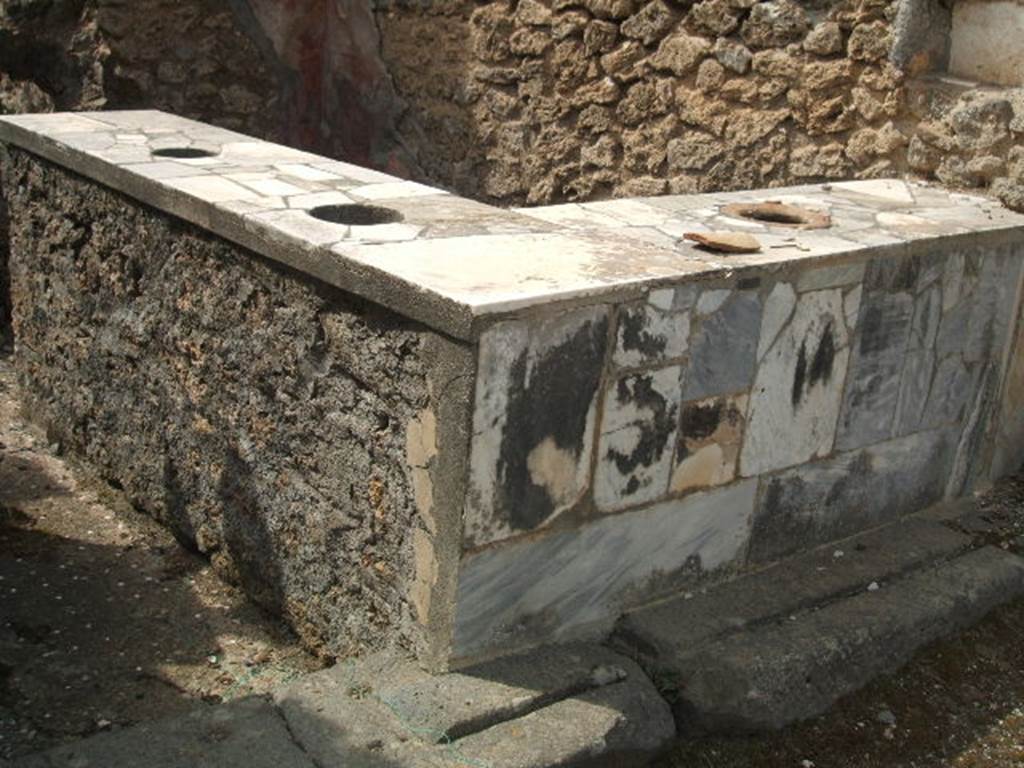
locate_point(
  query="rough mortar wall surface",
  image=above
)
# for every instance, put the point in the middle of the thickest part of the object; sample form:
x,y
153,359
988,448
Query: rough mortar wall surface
x,y
262,418
538,101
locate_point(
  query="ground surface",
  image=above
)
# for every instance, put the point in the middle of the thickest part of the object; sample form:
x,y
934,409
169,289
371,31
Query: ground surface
x,y
104,619
959,704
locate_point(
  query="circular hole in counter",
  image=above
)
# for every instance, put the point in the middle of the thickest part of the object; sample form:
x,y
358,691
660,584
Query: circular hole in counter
x,y
355,214
780,214
183,153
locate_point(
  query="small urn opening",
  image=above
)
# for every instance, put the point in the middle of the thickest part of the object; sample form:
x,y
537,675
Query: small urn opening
x,y
356,215
780,214
183,153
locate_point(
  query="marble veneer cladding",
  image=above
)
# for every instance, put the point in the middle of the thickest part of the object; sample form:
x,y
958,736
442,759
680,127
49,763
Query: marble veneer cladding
x,y
646,416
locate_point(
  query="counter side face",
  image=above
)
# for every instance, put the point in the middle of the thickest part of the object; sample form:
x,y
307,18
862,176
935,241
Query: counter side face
x,y
626,451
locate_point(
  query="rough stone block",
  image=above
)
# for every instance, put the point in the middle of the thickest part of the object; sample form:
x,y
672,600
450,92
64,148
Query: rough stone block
x,y
245,734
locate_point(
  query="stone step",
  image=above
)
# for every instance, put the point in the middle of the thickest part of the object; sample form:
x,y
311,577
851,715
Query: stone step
x,y
679,624
779,669
572,706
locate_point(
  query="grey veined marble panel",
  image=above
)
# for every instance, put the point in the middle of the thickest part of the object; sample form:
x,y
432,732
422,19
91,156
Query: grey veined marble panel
x,y
827,500
574,583
724,347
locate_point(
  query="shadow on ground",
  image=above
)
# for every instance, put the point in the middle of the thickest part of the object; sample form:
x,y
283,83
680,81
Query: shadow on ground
x,y
105,620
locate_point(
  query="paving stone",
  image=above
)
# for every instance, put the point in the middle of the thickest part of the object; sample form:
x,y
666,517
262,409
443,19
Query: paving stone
x,y
778,672
617,725
244,734
576,705
447,707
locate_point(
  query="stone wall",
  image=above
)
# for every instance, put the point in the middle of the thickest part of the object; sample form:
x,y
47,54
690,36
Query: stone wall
x,y
626,451
285,429
301,72
535,101
546,100
190,57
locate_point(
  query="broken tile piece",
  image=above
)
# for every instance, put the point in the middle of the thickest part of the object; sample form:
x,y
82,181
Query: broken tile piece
x,y
725,242
656,329
533,422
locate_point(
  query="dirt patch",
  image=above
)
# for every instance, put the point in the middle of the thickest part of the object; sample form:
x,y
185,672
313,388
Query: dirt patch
x,y
958,704
105,620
